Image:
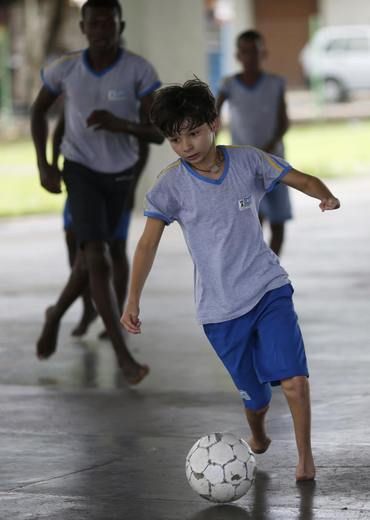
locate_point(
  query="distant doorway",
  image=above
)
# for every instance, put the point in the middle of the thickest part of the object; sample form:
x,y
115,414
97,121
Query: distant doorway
x,y
286,27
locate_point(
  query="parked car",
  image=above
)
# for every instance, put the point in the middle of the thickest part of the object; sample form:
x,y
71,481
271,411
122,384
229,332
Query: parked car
x,y
338,59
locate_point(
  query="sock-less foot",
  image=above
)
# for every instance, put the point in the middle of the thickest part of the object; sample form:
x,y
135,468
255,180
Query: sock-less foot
x,y
305,471
87,318
259,446
135,373
47,342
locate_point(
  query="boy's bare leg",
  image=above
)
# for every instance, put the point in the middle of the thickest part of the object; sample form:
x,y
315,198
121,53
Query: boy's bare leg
x,y
88,310
297,393
89,314
77,282
99,266
120,275
259,442
277,237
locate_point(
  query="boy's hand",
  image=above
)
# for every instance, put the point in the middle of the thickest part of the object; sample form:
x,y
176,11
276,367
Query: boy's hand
x,y
329,203
130,319
50,178
104,120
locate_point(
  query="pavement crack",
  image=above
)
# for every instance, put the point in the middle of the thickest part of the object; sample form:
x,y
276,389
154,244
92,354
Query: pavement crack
x,y
64,475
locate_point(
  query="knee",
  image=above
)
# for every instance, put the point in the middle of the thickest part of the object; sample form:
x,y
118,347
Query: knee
x,y
97,256
296,386
118,250
80,266
257,412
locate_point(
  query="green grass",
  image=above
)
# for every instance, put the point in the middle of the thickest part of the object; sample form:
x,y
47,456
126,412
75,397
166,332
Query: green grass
x,y
327,149
330,149
323,149
21,193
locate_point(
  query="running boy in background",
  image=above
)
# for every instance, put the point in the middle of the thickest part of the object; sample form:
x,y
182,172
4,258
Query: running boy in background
x,y
258,117
107,96
243,296
117,246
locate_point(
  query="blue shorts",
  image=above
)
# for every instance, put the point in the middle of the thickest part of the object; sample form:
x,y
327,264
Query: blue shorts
x,y
262,347
120,233
275,205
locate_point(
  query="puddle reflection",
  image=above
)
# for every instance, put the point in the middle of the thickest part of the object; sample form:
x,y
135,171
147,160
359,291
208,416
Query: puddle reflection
x,y
258,508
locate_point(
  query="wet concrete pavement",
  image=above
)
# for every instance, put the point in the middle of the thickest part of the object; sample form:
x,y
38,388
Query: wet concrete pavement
x,y
76,443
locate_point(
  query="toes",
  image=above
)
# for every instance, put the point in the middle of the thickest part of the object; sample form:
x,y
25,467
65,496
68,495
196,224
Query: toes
x,y
142,372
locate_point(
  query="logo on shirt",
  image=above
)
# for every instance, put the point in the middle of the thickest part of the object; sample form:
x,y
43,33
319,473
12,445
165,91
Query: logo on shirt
x,y
116,94
245,203
244,395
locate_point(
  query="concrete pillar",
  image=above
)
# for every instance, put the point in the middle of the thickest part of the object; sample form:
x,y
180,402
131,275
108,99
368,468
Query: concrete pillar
x,y
170,34
244,18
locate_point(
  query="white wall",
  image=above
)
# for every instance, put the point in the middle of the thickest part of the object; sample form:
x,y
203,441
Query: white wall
x,y
344,12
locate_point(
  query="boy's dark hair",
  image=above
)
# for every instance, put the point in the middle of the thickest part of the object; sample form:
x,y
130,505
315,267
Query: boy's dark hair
x,y
251,36
109,4
191,104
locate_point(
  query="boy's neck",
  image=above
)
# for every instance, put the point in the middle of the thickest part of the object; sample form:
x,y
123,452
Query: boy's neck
x,y
101,60
212,164
250,77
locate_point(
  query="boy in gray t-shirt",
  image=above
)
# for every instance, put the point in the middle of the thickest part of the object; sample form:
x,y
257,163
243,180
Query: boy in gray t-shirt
x,y
107,93
258,117
243,296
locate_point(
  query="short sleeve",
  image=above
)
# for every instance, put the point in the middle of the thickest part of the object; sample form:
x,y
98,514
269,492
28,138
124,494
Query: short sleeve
x,y
160,204
269,169
148,80
225,87
52,76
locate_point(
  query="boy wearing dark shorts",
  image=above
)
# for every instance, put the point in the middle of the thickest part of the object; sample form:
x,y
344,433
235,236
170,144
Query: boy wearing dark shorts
x,y
107,95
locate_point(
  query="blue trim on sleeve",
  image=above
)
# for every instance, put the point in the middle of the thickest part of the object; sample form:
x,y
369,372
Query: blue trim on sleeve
x,y
47,86
150,89
194,173
249,87
281,163
276,181
158,216
100,73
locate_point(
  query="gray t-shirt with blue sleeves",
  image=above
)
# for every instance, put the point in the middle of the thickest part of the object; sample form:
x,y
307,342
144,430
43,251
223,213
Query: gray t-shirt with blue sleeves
x,y
233,266
117,89
254,110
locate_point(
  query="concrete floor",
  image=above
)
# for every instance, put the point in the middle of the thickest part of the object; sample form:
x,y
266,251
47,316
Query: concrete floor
x,y
76,443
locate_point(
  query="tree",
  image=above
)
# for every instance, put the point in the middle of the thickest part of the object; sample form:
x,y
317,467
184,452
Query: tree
x,y
43,21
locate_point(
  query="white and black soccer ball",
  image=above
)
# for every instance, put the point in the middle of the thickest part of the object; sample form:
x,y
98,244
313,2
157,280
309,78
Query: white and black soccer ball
x,y
220,467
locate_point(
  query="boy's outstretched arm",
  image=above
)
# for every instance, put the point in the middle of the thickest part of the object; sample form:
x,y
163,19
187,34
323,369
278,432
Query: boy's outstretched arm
x,y
143,260
313,187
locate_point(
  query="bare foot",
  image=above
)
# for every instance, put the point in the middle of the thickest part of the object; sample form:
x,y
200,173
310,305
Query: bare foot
x,y
136,374
305,471
47,342
88,317
259,446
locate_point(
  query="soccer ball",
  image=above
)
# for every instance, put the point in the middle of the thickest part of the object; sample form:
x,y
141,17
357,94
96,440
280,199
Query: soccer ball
x,y
220,467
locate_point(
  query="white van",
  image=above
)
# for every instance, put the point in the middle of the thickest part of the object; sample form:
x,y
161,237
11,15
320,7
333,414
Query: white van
x,y
338,58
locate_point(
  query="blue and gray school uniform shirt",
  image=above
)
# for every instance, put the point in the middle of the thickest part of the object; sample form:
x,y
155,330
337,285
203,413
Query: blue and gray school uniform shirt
x,y
254,110
117,88
233,266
